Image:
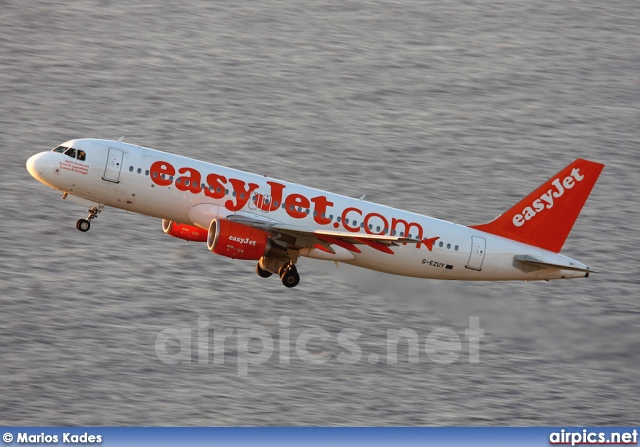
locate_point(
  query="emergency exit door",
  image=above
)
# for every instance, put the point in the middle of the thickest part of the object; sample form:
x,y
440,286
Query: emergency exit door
x,y
478,248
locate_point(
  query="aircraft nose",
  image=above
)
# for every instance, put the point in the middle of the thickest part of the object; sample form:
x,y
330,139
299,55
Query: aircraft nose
x,y
35,165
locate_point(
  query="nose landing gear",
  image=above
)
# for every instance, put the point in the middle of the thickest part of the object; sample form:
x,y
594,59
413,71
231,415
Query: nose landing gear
x,y
84,224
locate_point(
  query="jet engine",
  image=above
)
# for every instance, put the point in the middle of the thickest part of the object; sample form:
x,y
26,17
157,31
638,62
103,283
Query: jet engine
x,y
184,231
238,241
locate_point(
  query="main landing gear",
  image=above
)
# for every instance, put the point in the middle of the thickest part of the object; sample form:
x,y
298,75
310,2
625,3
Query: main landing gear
x,y
84,224
289,275
287,271
261,272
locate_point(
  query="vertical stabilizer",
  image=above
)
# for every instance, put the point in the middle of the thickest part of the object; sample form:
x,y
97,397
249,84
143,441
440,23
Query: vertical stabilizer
x,y
545,217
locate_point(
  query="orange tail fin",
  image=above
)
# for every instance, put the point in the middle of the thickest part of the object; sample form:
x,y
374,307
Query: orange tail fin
x,y
545,217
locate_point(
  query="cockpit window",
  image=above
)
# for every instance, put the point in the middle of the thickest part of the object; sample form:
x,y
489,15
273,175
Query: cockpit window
x,y
71,152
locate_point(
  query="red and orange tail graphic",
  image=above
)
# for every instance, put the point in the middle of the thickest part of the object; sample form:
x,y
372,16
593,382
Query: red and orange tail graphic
x,y
545,217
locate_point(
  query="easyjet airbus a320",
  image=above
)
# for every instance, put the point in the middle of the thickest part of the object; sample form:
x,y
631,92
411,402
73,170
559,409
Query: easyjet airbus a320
x,y
252,217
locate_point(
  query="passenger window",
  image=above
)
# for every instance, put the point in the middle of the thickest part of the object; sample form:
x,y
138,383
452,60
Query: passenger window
x,y
81,155
456,248
448,246
440,244
71,152
130,168
139,171
146,172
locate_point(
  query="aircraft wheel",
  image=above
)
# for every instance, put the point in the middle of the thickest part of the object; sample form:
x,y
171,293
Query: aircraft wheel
x,y
290,277
261,272
83,225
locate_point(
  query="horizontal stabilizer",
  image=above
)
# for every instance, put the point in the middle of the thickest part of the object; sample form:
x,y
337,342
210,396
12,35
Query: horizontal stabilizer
x,y
530,261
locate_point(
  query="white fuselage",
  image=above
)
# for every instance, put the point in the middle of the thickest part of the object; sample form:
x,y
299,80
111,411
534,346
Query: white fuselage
x,y
121,175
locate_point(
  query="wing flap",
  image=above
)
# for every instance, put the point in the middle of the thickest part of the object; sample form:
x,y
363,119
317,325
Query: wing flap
x,y
354,238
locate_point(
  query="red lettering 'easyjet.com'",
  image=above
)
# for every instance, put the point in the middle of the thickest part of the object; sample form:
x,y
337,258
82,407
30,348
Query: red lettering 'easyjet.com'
x,y
251,217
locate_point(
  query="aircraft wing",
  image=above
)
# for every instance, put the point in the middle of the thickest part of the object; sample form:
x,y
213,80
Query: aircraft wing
x,y
298,237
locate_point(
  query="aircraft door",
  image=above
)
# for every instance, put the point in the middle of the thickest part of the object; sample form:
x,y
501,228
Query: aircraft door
x,y
114,165
478,248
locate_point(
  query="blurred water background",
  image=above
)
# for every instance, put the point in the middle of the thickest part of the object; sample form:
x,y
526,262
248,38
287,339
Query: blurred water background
x,y
455,109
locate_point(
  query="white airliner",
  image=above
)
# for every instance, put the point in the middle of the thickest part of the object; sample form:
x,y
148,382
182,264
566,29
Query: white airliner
x,y
247,216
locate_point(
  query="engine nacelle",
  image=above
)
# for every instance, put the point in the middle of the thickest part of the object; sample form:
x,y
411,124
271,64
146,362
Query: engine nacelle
x,y
237,241
184,231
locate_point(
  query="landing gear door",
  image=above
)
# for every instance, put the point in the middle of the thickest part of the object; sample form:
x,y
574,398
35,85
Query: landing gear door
x,y
478,248
114,165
